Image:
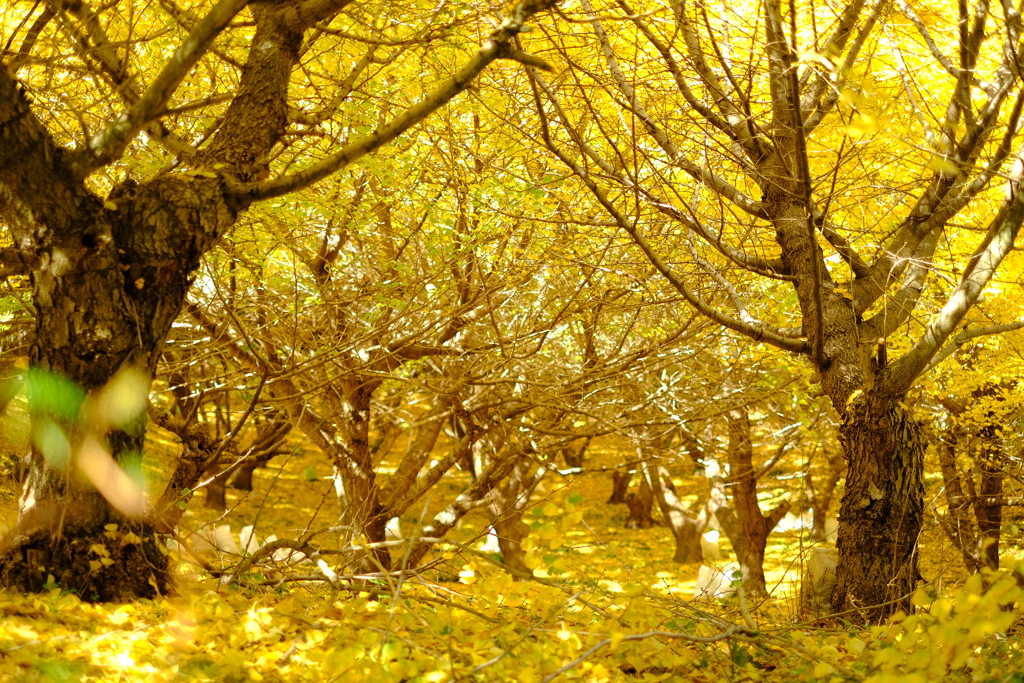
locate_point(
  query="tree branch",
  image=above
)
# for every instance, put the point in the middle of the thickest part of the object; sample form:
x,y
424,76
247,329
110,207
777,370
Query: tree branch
x,y
897,378
758,332
967,335
497,46
108,145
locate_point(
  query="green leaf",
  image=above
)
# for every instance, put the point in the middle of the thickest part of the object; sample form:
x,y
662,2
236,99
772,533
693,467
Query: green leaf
x,y
49,392
309,474
52,442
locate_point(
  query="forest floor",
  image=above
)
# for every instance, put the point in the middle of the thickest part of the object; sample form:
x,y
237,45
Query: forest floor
x,y
607,604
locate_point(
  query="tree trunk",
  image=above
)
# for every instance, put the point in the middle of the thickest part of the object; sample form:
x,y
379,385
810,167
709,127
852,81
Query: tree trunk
x,y
754,526
574,456
958,523
685,528
355,479
820,497
506,510
507,505
242,480
217,494
882,508
640,503
511,531
620,487
421,445
477,494
990,489
107,309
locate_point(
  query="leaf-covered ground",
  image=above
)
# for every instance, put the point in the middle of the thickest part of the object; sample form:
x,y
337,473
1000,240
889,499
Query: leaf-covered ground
x,y
606,604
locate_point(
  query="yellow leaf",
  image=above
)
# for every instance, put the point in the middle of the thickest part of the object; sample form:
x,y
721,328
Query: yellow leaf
x,y
118,618
109,205
943,165
822,669
856,645
572,519
130,538
467,575
94,565
861,126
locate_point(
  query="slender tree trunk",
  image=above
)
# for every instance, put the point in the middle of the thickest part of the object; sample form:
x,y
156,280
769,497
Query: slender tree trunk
x,y
958,523
754,526
620,487
820,496
421,445
476,495
685,528
882,508
990,486
641,504
575,456
355,479
242,480
217,494
508,502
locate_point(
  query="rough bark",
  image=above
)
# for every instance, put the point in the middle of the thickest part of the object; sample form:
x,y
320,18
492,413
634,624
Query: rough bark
x,y
882,509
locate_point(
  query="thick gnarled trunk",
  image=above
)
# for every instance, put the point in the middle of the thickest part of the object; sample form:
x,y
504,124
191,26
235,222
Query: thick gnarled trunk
x,y
882,508
107,308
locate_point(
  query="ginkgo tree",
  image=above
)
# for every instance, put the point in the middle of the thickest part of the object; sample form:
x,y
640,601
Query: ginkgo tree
x,y
837,181
132,138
